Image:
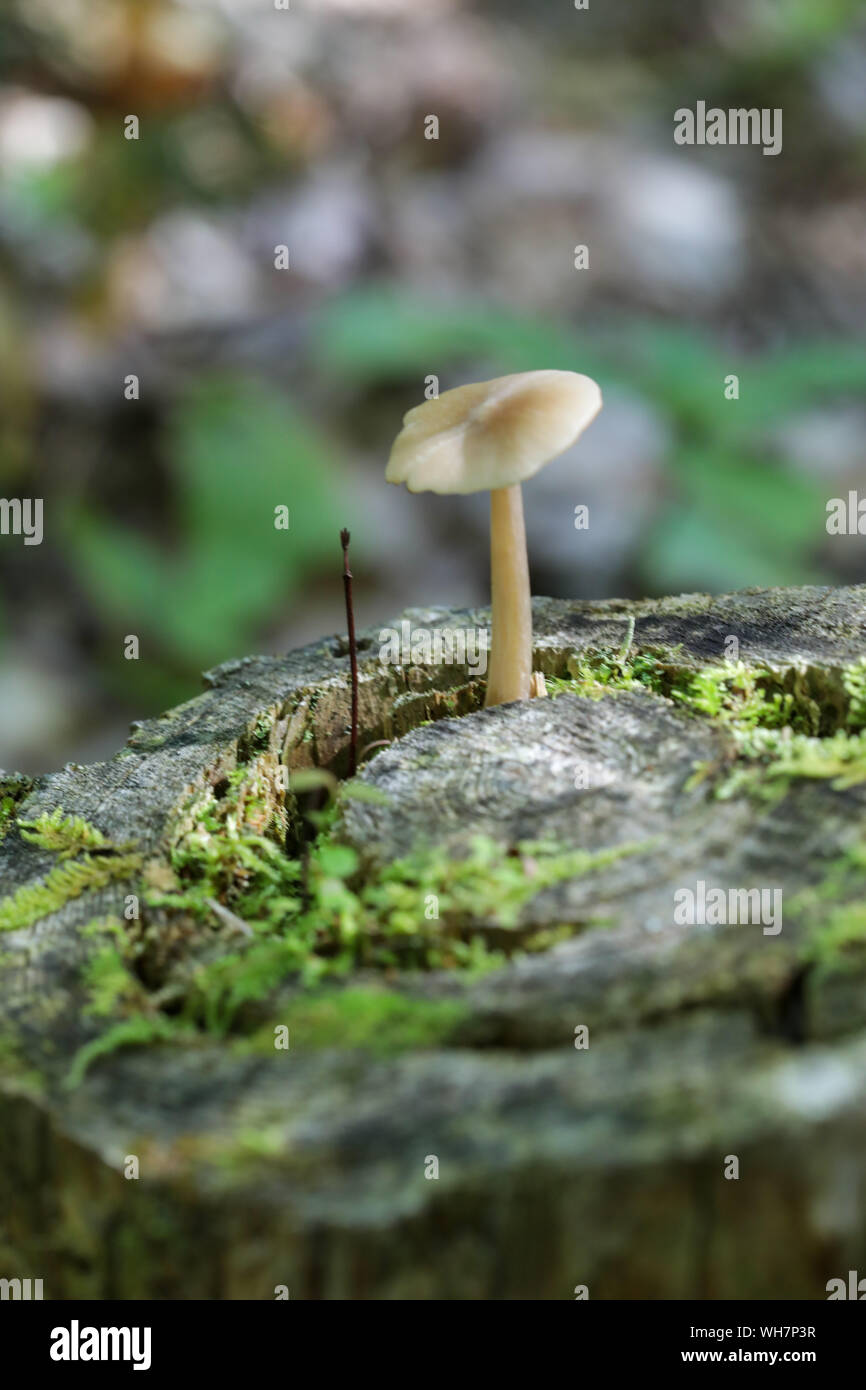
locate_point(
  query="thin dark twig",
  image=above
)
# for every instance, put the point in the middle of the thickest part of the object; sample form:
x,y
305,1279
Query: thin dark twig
x,y
353,651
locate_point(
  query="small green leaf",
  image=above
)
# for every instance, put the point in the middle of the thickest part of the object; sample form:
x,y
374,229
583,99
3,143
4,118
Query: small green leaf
x,y
336,861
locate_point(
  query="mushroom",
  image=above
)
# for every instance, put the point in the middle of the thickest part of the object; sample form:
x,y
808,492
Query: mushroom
x,y
491,436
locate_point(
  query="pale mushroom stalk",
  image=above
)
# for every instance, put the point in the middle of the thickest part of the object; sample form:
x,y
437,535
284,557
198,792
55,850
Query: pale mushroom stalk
x,y
509,670
490,436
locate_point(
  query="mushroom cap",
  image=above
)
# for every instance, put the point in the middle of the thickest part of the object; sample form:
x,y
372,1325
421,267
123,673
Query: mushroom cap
x,y
492,434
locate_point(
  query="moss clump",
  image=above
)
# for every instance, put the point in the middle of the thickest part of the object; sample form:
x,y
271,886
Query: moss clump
x,y
65,882
229,846
89,862
772,758
111,986
318,915
595,674
854,683
373,1020
491,883
319,912
777,732
138,1031
843,928
64,835
741,697
16,1072
734,693
7,814
833,912
421,912
13,790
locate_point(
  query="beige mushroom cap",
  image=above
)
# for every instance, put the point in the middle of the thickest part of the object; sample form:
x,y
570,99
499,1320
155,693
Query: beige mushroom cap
x,y
492,434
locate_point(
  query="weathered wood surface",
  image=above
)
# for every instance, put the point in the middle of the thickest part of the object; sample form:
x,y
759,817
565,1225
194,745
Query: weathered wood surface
x,y
557,1167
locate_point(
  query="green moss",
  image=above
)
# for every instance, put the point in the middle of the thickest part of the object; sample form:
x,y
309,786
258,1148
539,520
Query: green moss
x,y
374,1020
833,912
249,1146
108,977
139,1031
65,882
64,835
739,696
734,693
16,1069
323,916
259,736
420,911
7,815
111,987
776,731
321,913
773,758
384,923
89,862
229,846
844,927
13,790
547,937
105,928
854,682
594,674
491,882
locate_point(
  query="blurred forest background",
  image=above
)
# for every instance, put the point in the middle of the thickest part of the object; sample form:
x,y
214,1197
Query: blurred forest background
x,y
408,257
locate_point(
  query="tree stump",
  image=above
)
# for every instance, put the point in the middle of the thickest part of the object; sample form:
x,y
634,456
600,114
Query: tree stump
x,y
625,1102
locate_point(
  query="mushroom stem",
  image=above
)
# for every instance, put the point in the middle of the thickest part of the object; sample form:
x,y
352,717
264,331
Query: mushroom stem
x,y
510,668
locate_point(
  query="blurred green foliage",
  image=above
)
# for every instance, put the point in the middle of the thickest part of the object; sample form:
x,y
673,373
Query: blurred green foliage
x,y
736,515
236,450
161,541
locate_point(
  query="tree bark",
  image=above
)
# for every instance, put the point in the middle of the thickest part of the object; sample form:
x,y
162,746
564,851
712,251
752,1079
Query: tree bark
x,y
558,1165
